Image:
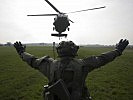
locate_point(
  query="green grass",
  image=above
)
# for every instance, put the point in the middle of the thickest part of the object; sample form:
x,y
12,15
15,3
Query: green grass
x,y
18,81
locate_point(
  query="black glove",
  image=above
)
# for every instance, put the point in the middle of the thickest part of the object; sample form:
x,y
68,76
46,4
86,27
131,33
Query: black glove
x,y
19,47
122,45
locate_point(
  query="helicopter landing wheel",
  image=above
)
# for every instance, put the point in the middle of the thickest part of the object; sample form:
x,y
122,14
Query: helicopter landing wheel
x,y
68,29
53,28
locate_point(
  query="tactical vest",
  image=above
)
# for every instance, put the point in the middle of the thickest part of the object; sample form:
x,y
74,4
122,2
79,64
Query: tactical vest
x,y
72,72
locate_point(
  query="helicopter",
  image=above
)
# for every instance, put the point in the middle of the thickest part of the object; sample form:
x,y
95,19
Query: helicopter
x,y
61,21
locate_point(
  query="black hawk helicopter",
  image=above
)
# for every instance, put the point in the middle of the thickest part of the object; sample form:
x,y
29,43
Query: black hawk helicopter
x,y
61,21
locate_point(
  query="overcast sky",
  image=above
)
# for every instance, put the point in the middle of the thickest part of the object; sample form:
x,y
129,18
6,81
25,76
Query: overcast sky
x,y
104,26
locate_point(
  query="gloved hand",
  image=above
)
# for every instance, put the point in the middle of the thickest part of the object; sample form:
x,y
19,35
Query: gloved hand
x,y
121,45
19,47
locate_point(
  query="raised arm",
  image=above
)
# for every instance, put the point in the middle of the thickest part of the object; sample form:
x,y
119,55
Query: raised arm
x,y
30,59
42,64
98,61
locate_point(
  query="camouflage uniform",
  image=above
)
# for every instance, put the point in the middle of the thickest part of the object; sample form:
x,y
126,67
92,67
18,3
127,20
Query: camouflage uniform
x,y
71,70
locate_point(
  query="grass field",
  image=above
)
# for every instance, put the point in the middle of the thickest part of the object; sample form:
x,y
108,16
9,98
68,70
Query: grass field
x,y
20,82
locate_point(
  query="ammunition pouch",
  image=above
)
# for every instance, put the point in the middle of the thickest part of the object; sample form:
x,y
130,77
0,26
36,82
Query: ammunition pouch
x,y
58,89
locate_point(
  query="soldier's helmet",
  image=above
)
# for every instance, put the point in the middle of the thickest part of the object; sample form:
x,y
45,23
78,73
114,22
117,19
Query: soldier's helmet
x,y
67,49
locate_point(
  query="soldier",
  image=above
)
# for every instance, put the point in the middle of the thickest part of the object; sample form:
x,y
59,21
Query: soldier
x,y
67,75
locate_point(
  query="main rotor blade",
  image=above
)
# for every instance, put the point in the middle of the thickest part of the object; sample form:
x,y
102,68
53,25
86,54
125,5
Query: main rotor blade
x,y
86,10
44,15
53,6
71,21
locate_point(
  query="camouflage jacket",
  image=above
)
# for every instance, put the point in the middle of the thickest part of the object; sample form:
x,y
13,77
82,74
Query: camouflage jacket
x,y
72,71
